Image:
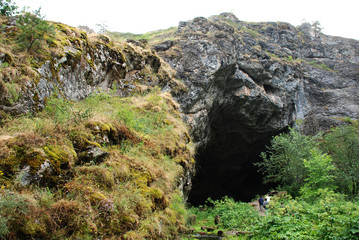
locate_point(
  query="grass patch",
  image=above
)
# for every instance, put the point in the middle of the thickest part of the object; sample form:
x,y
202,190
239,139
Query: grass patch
x,y
320,65
152,37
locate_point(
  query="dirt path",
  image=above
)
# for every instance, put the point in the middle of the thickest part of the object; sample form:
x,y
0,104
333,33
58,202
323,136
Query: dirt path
x,y
255,204
5,137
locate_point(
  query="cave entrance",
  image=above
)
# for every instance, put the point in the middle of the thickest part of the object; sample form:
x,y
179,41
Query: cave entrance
x,y
225,164
225,168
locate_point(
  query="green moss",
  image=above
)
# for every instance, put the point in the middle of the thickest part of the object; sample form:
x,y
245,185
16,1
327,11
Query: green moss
x,y
36,100
83,35
34,228
91,63
9,166
141,178
81,140
98,127
100,176
29,157
96,198
113,130
60,157
320,65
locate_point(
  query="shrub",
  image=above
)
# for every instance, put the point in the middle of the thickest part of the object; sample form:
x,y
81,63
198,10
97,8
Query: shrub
x,y
33,30
343,144
13,208
7,8
63,111
233,214
283,161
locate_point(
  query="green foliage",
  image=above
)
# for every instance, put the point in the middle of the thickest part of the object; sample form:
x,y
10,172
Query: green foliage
x,y
320,175
3,227
290,158
63,111
317,28
33,30
159,35
343,145
150,120
318,211
320,65
330,216
14,92
283,161
146,123
233,215
320,170
12,207
7,8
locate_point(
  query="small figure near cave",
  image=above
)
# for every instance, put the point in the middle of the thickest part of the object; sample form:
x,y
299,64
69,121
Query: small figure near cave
x,y
261,201
217,219
265,205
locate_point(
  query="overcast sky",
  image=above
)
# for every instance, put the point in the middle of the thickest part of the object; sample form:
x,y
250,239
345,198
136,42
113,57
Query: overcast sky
x,y
337,17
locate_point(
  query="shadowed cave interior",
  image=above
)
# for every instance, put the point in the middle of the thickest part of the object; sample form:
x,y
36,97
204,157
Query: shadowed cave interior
x,y
225,166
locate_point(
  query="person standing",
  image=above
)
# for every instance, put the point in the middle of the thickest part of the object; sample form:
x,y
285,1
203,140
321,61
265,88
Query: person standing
x,y
265,205
261,201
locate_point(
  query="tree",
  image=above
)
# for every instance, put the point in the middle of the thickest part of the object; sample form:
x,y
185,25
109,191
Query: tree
x,y
283,161
7,8
343,145
102,27
33,30
320,171
317,28
320,179
86,28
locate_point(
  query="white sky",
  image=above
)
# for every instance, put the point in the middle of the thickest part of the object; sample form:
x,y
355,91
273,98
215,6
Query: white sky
x,y
337,17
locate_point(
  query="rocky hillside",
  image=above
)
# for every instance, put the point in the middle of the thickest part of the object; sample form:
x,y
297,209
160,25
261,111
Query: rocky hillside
x,y
249,81
75,65
92,141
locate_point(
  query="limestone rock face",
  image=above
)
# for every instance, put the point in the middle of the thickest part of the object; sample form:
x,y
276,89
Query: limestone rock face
x,y
86,66
247,82
261,76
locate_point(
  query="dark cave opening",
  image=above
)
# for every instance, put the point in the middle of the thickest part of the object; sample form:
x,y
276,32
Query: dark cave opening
x,y
221,172
225,164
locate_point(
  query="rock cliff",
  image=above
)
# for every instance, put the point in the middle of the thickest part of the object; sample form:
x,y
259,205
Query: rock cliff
x,y
249,81
76,65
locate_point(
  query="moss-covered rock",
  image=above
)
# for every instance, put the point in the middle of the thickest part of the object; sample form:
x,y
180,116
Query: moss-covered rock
x,y
28,159
111,132
61,157
93,155
82,140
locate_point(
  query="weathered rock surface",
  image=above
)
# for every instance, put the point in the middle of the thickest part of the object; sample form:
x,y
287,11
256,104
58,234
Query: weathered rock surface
x,y
84,66
248,82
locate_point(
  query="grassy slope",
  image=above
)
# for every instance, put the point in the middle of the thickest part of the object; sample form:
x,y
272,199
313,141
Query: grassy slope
x,y
132,191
